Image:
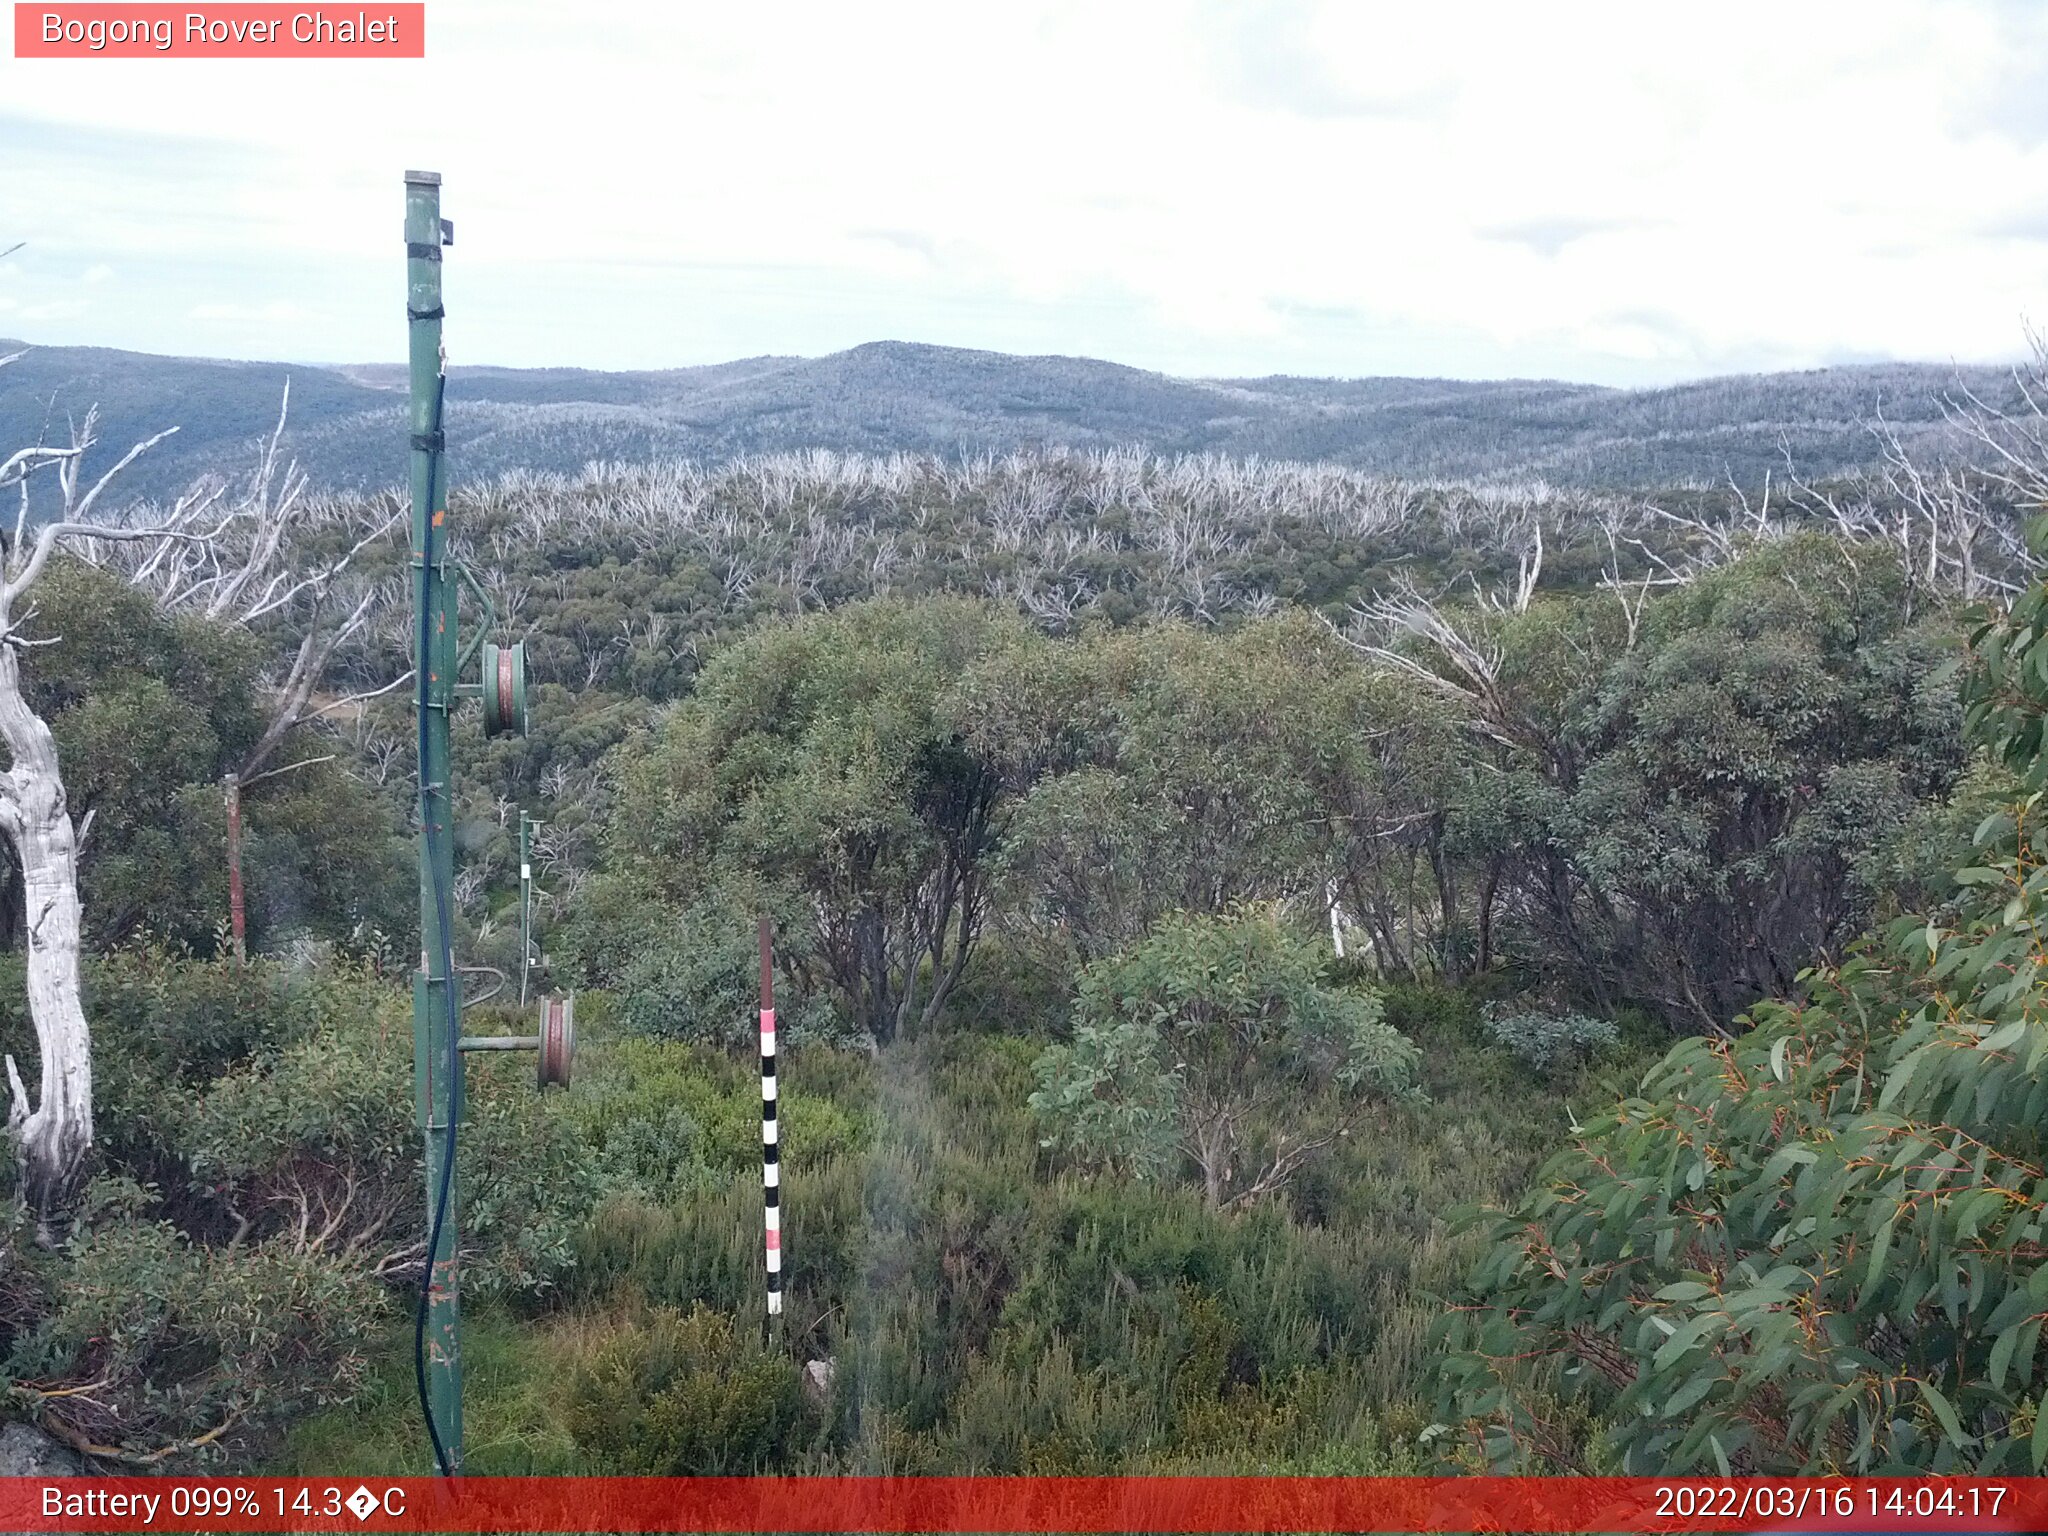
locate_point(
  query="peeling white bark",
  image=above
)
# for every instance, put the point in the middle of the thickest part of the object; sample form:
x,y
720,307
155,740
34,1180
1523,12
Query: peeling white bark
x,y
52,1134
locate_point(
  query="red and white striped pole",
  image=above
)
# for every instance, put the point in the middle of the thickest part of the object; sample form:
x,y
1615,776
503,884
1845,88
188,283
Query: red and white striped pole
x,y
771,1150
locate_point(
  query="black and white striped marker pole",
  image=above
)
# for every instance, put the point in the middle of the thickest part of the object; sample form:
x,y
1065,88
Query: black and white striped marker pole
x,y
771,1150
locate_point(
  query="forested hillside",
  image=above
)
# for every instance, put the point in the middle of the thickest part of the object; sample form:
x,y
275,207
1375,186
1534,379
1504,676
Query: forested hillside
x,y
892,397
1194,879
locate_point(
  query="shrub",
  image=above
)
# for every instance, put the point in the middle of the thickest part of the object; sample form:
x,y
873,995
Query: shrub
x,y
262,1192
699,980
662,1117
1549,1040
161,1345
161,1017
1422,1010
1215,1043
987,1311
823,757
315,1143
674,1395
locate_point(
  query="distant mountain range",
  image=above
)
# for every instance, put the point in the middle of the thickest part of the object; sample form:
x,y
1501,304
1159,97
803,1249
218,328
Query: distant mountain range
x,y
347,423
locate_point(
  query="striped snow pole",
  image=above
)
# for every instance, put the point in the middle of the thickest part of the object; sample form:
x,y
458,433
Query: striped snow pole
x,y
771,1150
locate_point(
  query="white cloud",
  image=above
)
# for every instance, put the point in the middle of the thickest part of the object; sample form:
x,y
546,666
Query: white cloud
x,y
276,312
1202,185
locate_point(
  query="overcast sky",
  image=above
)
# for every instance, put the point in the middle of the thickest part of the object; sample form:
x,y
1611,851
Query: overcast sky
x,y
1623,193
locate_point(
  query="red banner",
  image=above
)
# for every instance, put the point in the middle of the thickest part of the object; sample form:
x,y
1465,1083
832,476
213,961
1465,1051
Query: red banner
x,y
374,31
1034,1504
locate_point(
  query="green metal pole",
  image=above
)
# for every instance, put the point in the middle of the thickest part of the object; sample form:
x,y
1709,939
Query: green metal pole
x,y
525,904
437,1068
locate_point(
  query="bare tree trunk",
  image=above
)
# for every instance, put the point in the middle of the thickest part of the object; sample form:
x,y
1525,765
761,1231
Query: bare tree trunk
x,y
53,1137
1214,1162
1446,899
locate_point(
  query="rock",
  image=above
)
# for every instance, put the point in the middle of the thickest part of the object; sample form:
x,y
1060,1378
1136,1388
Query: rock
x,y
818,1380
27,1452
305,954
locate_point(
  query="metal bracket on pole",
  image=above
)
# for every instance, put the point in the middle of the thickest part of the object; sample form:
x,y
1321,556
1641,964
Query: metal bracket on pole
x,y
556,1042
483,632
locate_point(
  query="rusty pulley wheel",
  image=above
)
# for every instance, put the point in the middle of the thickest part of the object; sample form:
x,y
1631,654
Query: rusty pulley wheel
x,y
557,1039
504,689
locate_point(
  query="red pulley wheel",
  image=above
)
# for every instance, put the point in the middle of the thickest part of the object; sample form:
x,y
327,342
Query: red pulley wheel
x,y
504,689
557,1039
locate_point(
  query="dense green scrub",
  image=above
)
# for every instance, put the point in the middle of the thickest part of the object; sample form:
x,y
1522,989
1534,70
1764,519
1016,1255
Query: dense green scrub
x,y
1007,864
985,1307
257,1204
1676,811
1818,1245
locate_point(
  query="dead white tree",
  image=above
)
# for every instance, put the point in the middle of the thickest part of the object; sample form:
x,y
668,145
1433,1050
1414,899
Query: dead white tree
x,y
53,1131
1961,521
1466,651
1633,595
1529,571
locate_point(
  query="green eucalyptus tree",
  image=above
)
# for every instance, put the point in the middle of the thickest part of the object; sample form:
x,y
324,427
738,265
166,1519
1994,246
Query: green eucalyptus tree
x,y
1818,1246
1215,1045
1174,769
819,766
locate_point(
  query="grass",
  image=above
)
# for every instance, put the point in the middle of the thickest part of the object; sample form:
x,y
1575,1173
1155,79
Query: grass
x,y
514,1416
989,1309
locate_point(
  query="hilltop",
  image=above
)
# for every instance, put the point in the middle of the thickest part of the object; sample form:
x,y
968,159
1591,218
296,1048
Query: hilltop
x,y
888,396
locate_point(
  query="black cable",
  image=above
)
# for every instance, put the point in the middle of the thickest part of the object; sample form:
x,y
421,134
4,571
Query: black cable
x,y
447,958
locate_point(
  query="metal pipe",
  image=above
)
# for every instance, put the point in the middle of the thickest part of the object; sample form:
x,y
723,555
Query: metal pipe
x,y
498,1043
525,903
437,1066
